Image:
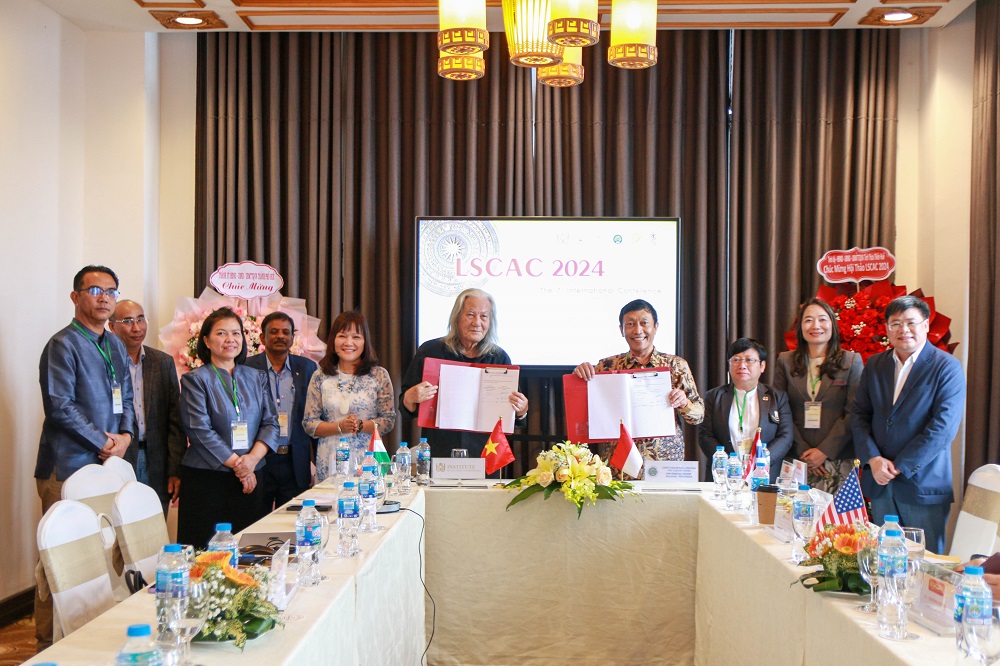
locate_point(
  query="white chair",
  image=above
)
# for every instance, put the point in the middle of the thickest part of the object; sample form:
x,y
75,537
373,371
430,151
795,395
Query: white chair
x,y
979,520
71,552
96,487
140,528
121,467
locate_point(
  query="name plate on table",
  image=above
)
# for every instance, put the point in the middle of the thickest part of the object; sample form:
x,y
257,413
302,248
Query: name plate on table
x,y
671,471
280,590
458,468
935,607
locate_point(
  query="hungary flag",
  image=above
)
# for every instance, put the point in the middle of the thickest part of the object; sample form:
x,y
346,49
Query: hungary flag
x,y
377,448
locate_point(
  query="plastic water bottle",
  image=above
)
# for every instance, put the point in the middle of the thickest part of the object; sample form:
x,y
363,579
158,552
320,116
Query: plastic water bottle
x,y
358,450
224,540
368,491
423,463
139,648
719,459
734,479
369,460
892,560
404,462
973,607
758,478
343,468
803,520
765,455
891,522
348,518
308,543
173,579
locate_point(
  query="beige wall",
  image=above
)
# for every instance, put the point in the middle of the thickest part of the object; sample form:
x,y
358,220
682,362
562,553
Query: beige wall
x,y
96,165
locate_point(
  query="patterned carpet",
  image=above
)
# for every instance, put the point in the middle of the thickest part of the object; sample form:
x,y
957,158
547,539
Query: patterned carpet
x,y
17,642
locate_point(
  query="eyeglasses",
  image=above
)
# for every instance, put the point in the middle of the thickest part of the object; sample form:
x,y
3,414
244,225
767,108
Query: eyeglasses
x,y
897,326
96,292
128,321
749,362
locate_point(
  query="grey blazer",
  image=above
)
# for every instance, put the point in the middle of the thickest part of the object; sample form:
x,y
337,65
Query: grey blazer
x,y
833,436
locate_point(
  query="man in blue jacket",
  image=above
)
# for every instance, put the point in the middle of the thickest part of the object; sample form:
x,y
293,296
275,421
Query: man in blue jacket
x,y
906,415
290,469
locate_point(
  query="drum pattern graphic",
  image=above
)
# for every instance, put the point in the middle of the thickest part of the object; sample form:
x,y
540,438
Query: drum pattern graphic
x,y
445,243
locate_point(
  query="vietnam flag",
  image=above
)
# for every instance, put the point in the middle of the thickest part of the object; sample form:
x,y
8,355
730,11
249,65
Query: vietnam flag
x,y
497,451
626,456
377,448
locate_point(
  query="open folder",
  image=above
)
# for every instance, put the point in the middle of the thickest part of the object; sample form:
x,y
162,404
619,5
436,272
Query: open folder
x,y
637,398
471,396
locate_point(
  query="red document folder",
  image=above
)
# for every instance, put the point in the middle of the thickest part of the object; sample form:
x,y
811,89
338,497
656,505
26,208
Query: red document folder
x,y
427,412
575,402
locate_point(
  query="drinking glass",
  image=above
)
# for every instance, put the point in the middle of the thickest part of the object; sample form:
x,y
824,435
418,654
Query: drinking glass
x,y
868,567
915,541
189,622
803,524
394,474
983,640
733,485
381,491
460,453
903,589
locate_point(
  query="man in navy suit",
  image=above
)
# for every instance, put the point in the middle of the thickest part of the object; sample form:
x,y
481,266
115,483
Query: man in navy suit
x,y
289,470
907,412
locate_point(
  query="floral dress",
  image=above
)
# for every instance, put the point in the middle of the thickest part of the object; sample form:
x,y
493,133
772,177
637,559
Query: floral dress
x,y
332,397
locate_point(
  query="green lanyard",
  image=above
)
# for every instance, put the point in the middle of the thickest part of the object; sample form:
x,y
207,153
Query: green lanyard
x,y
105,354
813,383
236,393
741,410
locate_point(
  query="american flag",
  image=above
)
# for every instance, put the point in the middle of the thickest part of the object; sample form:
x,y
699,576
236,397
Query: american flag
x,y
847,507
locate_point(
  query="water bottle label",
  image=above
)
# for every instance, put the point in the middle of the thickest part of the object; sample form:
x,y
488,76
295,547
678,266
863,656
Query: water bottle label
x,y
423,455
367,489
897,566
343,455
173,584
976,610
734,472
883,564
756,482
347,507
959,604
802,510
308,535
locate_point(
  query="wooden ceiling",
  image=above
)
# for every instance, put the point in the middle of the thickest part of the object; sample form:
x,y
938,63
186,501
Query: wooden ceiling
x,y
421,15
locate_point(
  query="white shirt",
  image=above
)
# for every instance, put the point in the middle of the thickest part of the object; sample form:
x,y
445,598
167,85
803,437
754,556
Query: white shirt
x,y
902,370
745,401
135,370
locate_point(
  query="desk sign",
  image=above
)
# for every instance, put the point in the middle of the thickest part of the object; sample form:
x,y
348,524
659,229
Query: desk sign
x,y
458,468
935,607
671,471
280,591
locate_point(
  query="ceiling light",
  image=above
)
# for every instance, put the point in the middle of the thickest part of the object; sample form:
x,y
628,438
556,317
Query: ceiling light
x,y
567,73
574,23
188,20
467,67
526,23
897,15
633,34
462,26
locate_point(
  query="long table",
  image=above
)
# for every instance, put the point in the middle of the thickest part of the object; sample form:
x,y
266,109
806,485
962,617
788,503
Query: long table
x,y
667,578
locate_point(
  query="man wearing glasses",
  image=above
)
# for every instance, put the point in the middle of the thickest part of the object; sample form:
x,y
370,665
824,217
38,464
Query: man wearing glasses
x,y
159,441
908,408
734,411
86,398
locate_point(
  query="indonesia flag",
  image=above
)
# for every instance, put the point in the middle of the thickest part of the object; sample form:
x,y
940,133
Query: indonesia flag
x,y
626,456
377,448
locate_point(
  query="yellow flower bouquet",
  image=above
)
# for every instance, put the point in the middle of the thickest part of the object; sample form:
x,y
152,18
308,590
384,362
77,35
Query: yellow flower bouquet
x,y
581,476
238,608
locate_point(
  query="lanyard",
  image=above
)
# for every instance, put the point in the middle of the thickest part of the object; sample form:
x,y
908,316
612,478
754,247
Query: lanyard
x,y
813,383
105,354
741,410
277,385
236,393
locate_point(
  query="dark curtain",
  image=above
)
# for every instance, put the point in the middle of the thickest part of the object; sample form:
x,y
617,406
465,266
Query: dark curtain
x,y
649,143
813,164
982,438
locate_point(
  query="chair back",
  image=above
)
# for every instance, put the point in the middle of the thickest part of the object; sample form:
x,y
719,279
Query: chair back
x,y
140,528
121,467
979,520
96,487
75,571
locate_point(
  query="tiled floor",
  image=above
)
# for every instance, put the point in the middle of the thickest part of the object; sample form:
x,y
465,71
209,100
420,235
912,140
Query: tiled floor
x,y
17,642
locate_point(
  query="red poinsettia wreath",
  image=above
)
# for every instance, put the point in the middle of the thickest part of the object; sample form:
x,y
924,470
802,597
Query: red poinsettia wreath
x,y
861,317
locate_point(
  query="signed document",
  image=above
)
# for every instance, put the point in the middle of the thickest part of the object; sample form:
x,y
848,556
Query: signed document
x,y
637,399
473,398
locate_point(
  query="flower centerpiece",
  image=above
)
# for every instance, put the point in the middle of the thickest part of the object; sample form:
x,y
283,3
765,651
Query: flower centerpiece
x,y
238,608
836,549
581,476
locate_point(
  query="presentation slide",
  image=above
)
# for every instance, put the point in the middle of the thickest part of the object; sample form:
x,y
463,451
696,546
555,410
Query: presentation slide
x,y
558,283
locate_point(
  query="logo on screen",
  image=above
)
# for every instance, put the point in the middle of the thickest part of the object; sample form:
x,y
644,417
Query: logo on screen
x,y
618,239
443,243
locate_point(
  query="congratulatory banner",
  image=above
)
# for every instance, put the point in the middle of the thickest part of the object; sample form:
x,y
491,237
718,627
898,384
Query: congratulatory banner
x,y
559,283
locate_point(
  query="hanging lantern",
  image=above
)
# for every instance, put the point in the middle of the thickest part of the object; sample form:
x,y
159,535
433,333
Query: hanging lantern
x,y
526,23
462,27
574,23
567,73
633,34
462,67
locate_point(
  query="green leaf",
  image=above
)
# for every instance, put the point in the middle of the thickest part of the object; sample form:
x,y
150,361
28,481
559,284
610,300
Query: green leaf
x,y
829,585
551,489
856,583
516,483
604,492
524,494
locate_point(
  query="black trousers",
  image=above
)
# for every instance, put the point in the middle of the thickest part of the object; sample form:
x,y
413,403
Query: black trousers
x,y
208,497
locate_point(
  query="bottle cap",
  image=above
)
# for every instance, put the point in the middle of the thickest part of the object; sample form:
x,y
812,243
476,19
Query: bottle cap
x,y
308,502
974,571
423,440
138,630
896,533
224,527
402,444
804,486
172,548
732,454
720,448
890,518
348,484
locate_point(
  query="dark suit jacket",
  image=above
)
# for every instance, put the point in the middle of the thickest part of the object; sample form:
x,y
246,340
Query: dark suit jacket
x,y
833,436
916,433
165,440
302,446
775,423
